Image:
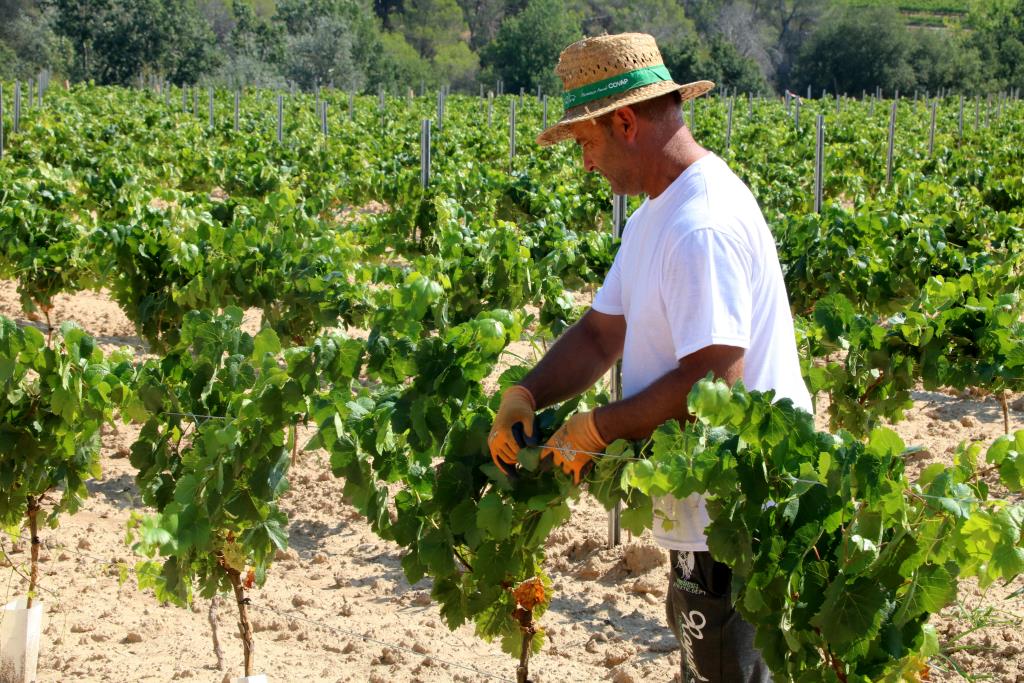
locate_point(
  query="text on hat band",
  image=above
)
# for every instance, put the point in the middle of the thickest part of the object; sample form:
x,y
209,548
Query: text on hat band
x,y
614,85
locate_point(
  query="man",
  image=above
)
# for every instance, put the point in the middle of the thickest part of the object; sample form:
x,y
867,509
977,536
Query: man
x,y
695,287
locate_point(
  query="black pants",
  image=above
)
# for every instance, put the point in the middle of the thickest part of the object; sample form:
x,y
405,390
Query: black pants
x,y
717,644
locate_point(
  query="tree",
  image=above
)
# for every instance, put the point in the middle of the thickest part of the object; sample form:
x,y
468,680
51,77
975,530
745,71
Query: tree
x,y
703,13
130,35
189,49
27,41
789,23
300,16
397,65
220,16
998,37
725,65
527,46
457,65
252,36
116,42
385,9
942,60
323,54
363,36
855,50
252,51
484,18
81,21
739,25
429,25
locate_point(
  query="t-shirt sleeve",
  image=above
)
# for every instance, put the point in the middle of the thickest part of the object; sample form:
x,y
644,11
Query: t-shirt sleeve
x,y
608,299
706,291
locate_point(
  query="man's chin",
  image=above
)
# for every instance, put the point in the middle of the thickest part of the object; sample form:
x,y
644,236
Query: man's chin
x,y
619,187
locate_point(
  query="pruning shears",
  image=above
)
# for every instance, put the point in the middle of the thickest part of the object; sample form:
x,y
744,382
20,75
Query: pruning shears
x,y
523,441
519,433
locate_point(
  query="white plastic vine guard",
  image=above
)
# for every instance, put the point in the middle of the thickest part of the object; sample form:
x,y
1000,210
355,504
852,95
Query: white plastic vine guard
x,y
257,678
20,630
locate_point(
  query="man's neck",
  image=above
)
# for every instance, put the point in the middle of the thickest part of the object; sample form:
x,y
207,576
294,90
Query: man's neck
x,y
668,157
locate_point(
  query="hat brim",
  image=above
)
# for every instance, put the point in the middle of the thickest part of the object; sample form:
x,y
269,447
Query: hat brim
x,y
591,110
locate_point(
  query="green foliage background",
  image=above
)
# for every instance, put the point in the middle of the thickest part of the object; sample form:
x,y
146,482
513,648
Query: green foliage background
x,y
397,45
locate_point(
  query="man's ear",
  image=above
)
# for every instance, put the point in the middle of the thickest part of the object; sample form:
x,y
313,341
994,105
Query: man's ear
x,y
625,123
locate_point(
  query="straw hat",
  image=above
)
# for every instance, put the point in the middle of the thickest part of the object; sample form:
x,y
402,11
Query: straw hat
x,y
604,73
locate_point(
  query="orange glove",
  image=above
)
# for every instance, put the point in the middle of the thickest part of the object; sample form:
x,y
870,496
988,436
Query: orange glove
x,y
571,446
517,407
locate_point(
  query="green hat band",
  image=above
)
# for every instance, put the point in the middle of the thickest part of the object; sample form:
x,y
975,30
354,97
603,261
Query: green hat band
x,y
615,85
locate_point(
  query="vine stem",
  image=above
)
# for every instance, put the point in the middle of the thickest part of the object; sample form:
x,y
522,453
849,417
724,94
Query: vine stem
x,y
33,525
988,470
1006,411
462,559
212,617
836,666
294,433
831,660
244,627
49,325
525,618
871,387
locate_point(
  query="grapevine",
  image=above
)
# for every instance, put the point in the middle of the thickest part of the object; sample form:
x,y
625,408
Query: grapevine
x,y
838,558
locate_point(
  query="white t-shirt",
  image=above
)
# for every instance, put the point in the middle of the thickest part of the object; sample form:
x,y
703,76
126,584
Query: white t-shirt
x,y
697,267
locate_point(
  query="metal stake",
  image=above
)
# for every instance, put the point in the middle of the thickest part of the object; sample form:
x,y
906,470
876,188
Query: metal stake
x,y
17,107
280,118
512,132
425,153
728,124
931,132
892,142
819,163
619,209
960,120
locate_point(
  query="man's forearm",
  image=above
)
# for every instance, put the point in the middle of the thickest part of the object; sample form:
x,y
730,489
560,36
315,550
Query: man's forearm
x,y
638,416
574,363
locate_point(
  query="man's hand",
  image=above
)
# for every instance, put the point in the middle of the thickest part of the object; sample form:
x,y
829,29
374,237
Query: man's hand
x,y
571,446
517,407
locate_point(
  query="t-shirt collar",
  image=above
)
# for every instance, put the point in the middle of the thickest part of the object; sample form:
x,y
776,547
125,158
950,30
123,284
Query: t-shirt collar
x,y
680,180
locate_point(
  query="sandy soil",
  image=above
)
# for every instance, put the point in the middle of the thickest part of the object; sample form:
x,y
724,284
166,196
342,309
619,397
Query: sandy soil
x,y
337,607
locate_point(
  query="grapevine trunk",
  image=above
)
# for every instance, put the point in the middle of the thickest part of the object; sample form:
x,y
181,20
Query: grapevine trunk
x,y
244,627
525,618
33,525
212,617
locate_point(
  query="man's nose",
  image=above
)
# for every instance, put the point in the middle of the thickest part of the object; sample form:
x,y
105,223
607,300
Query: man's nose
x,y
588,163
